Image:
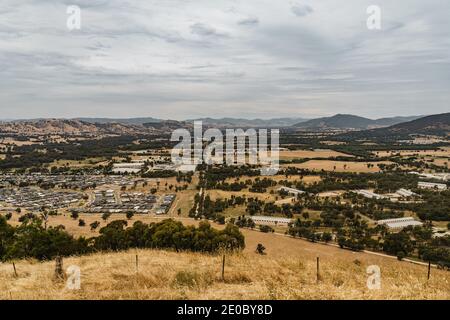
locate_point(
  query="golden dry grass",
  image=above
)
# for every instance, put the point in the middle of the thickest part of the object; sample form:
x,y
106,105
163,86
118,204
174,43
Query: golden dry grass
x,y
442,162
341,166
442,152
322,153
86,163
170,275
278,178
286,272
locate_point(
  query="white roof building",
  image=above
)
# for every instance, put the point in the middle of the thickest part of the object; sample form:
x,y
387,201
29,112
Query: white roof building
x,y
292,191
270,220
405,192
437,176
127,167
399,223
432,185
369,194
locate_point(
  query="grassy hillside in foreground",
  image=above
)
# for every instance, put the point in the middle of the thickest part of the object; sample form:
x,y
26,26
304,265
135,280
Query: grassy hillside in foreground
x,y
170,275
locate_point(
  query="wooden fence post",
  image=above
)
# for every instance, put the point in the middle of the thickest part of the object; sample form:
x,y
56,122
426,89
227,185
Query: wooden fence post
x,y
317,269
59,273
137,264
15,271
223,268
429,270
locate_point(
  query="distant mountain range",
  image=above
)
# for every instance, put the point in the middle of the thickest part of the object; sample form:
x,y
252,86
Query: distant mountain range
x,y
389,127
339,121
136,121
348,121
249,123
210,122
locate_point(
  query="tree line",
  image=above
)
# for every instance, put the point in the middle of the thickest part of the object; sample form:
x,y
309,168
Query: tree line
x,y
32,239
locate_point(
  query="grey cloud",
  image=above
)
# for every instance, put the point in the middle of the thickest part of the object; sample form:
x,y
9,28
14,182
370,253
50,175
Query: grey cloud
x,y
250,21
169,59
301,10
205,30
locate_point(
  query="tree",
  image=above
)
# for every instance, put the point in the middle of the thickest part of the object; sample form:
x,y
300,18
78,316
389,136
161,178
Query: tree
x,y
394,243
44,217
129,215
106,216
326,237
220,219
260,249
94,225
401,255
74,215
266,228
81,223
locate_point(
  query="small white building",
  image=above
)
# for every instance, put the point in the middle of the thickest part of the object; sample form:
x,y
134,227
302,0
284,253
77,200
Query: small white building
x,y
267,220
432,185
405,193
127,167
291,191
186,168
369,194
437,176
399,223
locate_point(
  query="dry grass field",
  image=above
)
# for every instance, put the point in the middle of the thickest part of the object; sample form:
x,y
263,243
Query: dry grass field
x,y
170,275
443,152
339,166
19,143
318,153
222,194
442,162
86,163
287,271
278,178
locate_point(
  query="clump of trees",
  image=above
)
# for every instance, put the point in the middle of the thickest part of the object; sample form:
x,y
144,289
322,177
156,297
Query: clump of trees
x,y
32,240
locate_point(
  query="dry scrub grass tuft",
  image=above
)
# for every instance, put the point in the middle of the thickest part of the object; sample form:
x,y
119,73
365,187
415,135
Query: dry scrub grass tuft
x,y
170,275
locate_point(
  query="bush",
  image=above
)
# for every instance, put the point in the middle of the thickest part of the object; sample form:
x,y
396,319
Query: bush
x,y
401,255
94,225
260,249
265,229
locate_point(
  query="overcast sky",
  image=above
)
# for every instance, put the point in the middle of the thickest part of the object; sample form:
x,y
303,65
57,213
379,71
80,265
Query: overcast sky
x,y
181,59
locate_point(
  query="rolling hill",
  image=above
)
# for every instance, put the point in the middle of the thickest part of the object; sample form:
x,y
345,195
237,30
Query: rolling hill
x,y
437,125
133,121
348,121
68,127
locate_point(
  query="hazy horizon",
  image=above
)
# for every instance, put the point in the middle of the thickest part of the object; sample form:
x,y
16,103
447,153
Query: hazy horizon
x,y
259,59
205,117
